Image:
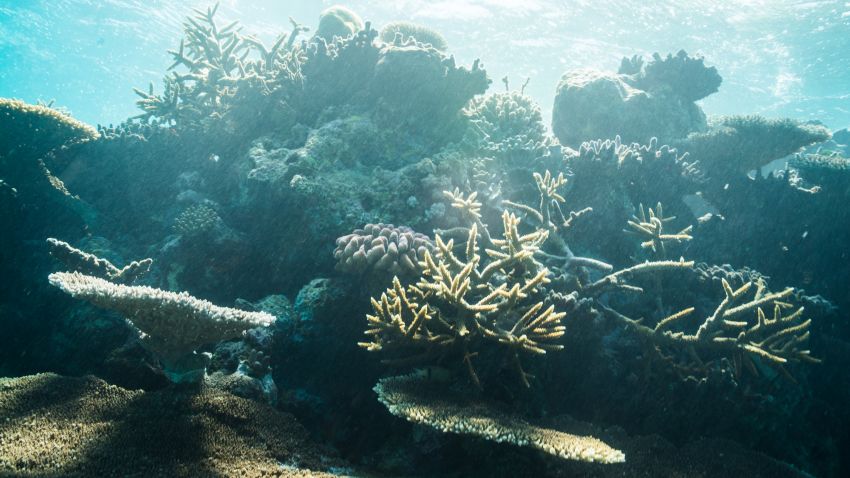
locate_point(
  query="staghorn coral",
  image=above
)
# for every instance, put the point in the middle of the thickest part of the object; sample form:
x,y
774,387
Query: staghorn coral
x,y
738,330
465,301
172,325
651,228
402,32
76,427
415,398
382,249
225,71
89,264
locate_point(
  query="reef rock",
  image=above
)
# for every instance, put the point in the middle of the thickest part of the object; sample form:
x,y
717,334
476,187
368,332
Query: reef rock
x,y
591,104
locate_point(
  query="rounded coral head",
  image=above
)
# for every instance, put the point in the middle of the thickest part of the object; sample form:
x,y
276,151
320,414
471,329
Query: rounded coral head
x,y
338,21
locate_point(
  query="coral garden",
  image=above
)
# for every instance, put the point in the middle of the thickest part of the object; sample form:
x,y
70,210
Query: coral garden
x,y
357,261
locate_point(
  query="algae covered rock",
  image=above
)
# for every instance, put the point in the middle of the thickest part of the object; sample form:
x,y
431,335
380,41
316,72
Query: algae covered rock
x,y
590,104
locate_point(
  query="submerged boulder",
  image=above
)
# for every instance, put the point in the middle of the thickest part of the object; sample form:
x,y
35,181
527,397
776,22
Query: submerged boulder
x,y
590,104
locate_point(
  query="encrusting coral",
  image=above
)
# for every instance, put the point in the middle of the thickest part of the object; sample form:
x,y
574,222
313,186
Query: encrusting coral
x,y
382,249
415,398
172,324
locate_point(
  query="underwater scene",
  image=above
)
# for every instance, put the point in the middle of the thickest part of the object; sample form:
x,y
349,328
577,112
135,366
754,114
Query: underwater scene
x,y
468,238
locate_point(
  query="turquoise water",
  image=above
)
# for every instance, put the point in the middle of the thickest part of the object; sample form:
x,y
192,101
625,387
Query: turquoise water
x,y
461,238
778,58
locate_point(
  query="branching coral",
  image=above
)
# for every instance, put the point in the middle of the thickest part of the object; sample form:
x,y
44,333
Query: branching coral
x,y
89,264
738,329
466,301
171,324
651,227
416,399
219,61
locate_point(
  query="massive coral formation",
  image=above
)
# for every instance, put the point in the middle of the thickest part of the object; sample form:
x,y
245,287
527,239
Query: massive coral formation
x,y
420,400
382,249
682,75
63,426
641,101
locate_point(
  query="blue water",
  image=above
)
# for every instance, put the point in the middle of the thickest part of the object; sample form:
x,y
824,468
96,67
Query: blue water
x,y
778,58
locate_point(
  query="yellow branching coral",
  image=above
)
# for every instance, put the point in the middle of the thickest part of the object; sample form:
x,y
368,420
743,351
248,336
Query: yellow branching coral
x,y
416,399
465,299
738,329
652,228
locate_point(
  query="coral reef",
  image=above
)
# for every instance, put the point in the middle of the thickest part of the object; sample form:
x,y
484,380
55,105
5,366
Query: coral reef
x,y
172,325
338,21
413,398
738,144
89,264
382,249
34,130
402,32
61,426
683,76
556,285
642,101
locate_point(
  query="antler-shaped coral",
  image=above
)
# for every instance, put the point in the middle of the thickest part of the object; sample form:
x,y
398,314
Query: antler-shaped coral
x,y
652,227
777,340
471,301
